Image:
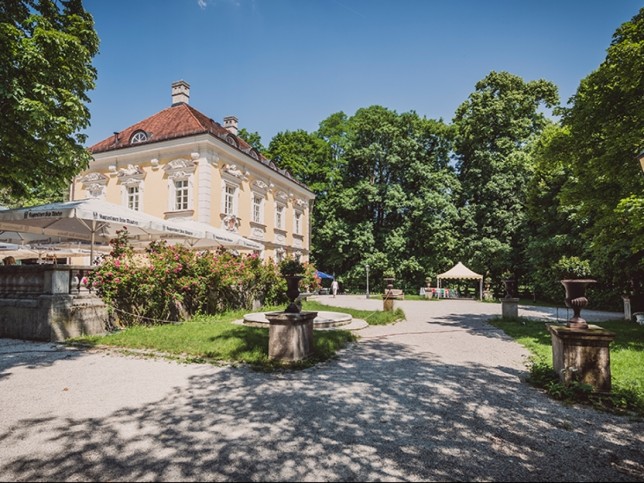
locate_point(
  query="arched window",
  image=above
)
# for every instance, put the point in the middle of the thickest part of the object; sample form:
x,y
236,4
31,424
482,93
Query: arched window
x,y
230,139
139,137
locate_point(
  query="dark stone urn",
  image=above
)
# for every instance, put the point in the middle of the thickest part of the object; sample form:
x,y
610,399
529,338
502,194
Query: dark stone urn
x,y
292,292
290,333
576,300
510,288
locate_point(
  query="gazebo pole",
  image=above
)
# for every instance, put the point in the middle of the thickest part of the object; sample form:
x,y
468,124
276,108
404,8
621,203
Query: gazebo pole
x,y
481,289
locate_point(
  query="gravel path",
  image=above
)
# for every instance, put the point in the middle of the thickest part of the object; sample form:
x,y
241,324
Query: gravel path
x,y
437,397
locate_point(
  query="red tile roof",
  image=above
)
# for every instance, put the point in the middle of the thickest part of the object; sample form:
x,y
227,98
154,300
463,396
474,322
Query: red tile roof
x,y
177,121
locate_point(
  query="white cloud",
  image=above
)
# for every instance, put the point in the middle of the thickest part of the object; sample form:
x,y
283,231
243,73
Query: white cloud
x,y
204,3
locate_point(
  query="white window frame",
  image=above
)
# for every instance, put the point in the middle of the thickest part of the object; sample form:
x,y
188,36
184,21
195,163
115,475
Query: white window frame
x,y
257,209
139,137
181,194
280,211
229,199
298,216
180,171
229,193
133,196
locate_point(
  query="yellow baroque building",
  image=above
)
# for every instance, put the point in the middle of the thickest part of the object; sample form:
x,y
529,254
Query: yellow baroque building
x,y
179,163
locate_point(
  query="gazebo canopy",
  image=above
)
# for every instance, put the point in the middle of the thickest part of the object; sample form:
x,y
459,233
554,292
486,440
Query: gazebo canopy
x,y
460,271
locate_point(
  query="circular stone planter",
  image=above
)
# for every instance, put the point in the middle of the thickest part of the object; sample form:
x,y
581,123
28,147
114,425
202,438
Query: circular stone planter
x,y
323,319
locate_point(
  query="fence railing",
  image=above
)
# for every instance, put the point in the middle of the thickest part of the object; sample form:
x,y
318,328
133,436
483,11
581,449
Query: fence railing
x,y
31,280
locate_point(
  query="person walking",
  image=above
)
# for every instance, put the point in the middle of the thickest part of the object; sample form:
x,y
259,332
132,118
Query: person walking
x,y
334,287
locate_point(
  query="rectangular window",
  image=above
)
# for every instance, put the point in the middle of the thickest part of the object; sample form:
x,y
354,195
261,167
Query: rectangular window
x,y
279,217
181,195
298,223
133,198
257,209
229,200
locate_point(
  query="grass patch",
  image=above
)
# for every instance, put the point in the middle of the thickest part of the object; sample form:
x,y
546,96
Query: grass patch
x,y
379,317
215,339
626,362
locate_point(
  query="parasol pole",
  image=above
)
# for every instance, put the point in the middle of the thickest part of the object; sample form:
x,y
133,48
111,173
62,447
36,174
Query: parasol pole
x,y
91,247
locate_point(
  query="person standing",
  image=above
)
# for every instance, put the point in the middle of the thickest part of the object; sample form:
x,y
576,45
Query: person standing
x,y
334,287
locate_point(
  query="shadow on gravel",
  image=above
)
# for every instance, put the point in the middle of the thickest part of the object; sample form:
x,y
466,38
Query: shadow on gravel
x,y
15,352
472,323
380,412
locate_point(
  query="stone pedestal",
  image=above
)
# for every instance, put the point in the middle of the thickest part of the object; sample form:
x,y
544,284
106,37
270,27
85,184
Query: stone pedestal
x,y
510,308
387,303
290,336
627,307
582,355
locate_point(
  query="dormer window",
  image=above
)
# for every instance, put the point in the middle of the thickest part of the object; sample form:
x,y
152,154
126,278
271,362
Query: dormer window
x,y
139,137
230,139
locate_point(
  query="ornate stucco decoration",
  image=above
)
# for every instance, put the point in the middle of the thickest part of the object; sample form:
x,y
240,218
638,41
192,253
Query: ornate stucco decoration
x,y
300,203
131,176
180,168
257,233
260,186
94,184
231,223
234,171
281,196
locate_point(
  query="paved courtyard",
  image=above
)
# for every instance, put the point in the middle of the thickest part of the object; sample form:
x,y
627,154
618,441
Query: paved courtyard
x,y
438,397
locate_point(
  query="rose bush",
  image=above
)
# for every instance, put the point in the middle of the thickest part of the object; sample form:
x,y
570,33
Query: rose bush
x,y
173,283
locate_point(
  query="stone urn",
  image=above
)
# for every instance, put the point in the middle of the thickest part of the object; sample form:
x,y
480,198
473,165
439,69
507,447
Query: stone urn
x,y
290,333
510,288
576,300
293,292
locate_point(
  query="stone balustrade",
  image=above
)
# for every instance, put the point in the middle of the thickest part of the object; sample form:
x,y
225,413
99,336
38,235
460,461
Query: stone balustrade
x,y
48,302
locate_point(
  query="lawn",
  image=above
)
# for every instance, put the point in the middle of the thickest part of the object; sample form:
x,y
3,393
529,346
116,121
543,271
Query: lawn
x,y
378,317
216,339
626,359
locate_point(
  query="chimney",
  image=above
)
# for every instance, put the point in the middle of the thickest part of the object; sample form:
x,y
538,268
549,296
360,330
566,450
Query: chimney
x,y
230,123
180,92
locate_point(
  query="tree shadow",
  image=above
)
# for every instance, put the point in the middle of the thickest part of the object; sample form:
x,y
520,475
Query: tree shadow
x,y
381,412
31,354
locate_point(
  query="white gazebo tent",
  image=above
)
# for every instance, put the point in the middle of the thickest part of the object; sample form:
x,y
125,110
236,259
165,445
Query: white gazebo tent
x,y
460,271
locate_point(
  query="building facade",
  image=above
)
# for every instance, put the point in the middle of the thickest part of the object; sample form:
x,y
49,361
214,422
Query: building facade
x,y
179,163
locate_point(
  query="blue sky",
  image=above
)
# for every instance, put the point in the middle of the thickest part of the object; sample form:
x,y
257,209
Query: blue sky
x,y
288,64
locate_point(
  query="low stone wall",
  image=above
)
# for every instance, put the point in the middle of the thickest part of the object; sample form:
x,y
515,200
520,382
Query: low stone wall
x,y
48,303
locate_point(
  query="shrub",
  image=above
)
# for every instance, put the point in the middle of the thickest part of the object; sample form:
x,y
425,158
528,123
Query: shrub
x,y
291,266
173,283
568,268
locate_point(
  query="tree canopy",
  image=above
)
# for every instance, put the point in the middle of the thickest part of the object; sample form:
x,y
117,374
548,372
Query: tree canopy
x,y
605,135
494,128
46,52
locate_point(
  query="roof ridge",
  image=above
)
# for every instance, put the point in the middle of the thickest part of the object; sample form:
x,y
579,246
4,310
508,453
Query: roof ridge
x,y
191,109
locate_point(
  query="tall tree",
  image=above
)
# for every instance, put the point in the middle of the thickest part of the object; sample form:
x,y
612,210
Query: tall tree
x,y
392,207
306,156
46,52
553,230
252,138
606,126
494,127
